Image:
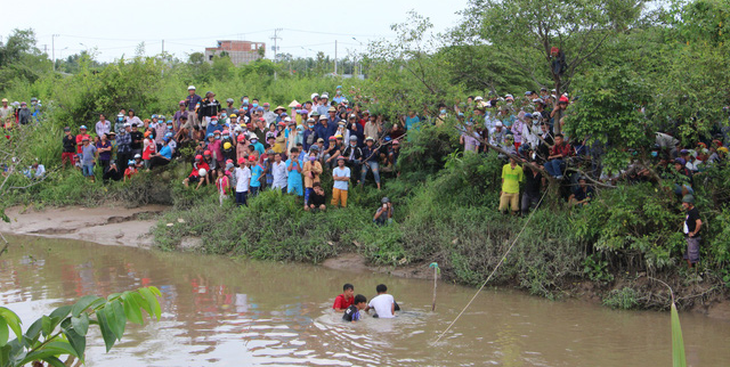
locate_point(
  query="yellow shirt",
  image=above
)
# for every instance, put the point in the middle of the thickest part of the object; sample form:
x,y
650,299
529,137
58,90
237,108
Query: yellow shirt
x,y
512,178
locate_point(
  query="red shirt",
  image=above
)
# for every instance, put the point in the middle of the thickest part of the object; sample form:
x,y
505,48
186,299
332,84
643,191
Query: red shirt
x,y
563,150
80,139
342,303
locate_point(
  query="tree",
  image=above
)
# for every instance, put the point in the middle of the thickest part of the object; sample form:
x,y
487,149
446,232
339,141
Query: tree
x,y
20,59
526,32
63,332
609,113
408,73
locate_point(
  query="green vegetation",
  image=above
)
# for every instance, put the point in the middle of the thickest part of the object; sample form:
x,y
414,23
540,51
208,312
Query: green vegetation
x,y
634,71
63,332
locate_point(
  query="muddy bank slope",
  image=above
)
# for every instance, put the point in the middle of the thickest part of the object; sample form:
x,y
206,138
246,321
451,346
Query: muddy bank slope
x,y
106,225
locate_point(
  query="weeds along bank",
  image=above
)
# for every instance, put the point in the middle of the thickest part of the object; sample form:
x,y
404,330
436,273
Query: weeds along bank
x,y
445,211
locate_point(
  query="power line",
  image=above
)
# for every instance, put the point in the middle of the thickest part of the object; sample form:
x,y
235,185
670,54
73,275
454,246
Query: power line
x,y
337,34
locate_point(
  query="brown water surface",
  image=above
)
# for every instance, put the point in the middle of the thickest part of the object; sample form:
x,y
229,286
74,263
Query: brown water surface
x,y
235,313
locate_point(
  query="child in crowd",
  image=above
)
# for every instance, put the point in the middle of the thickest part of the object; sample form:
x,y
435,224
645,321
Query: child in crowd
x,y
130,171
222,185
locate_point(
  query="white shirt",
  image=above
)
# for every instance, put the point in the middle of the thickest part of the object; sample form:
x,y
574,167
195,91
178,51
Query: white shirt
x,y
280,174
383,305
243,178
341,172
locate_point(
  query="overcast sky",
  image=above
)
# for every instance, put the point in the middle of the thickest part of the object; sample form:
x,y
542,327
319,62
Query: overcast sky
x,y
116,28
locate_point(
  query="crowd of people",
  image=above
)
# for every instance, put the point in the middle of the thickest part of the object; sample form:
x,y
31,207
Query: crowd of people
x,y
244,146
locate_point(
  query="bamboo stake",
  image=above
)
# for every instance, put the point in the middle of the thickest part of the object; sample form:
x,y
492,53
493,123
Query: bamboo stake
x,y
435,267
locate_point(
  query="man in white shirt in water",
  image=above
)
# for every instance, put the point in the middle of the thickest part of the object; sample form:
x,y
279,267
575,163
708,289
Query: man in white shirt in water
x,y
383,304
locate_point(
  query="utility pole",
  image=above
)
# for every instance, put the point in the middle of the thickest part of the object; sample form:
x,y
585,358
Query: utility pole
x,y
335,57
275,38
53,50
163,47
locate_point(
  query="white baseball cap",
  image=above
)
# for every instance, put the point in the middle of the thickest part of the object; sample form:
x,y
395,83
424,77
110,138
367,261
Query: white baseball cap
x,y
192,87
498,123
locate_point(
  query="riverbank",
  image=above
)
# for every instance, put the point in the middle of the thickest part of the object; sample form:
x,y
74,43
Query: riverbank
x,y
137,227
107,225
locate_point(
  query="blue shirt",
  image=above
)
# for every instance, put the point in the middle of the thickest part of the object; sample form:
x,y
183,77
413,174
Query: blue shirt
x,y
256,172
325,132
410,121
294,176
193,101
259,148
166,151
211,128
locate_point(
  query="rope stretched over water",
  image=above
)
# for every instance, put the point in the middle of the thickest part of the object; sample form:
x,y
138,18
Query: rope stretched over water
x,y
504,257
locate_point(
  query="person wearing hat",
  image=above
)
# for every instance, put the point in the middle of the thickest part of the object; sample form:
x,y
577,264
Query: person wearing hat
x,y
24,114
323,104
332,117
257,175
394,153
325,130
242,174
192,102
309,136
130,171
370,162
691,227
35,171
341,176
6,112
208,108
496,136
339,97
558,113
384,214
118,124
353,154
80,137
230,109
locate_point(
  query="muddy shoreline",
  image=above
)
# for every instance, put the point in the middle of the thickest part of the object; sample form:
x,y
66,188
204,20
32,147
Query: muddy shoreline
x,y
107,225
115,225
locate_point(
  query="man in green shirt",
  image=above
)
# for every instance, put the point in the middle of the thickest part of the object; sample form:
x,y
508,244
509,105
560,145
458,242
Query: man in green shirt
x,y
512,175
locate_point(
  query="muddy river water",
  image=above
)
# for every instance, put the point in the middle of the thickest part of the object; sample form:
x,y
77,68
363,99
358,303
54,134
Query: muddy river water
x,y
224,312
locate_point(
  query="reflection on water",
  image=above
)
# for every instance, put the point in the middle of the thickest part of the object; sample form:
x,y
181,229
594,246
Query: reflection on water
x,y
233,313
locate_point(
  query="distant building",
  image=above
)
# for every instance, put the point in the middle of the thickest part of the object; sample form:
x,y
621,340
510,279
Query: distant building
x,y
240,52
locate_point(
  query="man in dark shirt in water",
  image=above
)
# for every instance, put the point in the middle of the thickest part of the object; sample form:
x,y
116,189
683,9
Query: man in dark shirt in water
x,y
352,314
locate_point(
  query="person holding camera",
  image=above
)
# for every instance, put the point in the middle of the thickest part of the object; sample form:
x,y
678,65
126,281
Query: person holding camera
x,y
384,214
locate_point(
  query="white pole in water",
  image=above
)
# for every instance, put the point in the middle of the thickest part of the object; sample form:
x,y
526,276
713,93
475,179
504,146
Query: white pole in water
x,y
435,267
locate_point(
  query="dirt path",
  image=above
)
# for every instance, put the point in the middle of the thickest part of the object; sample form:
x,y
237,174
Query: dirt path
x,y
108,225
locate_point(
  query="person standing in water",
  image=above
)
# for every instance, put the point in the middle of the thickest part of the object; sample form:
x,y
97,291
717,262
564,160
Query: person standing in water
x,y
346,299
383,304
352,314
